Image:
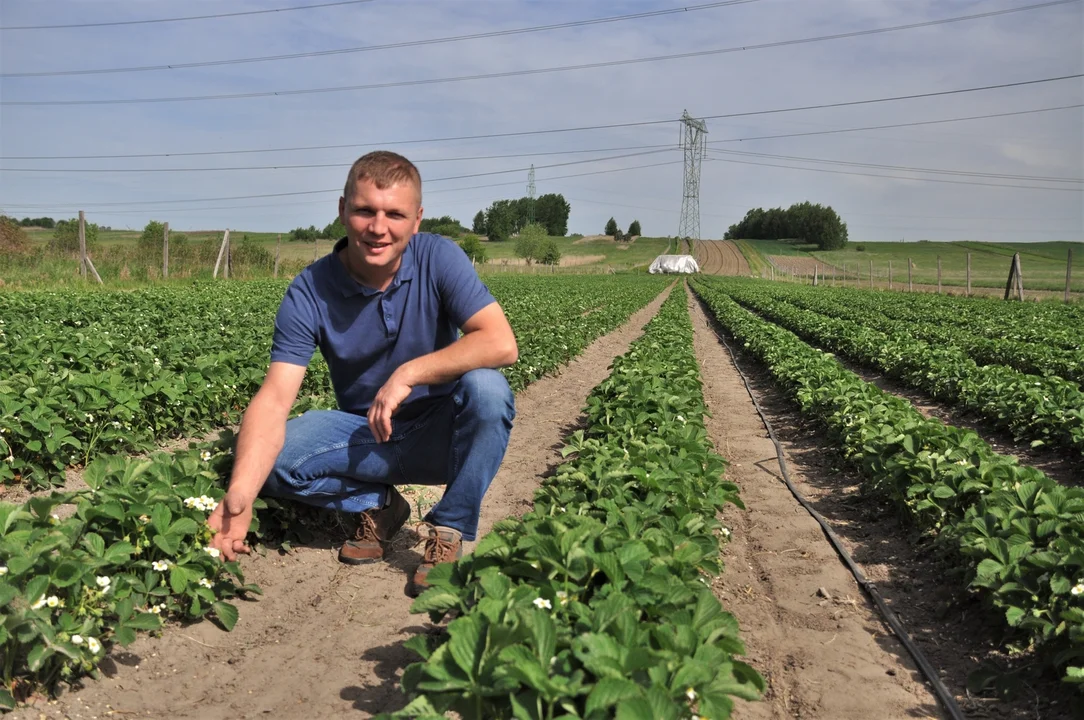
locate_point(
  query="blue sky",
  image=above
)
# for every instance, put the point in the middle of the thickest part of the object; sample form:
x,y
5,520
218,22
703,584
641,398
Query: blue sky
x,y
1022,46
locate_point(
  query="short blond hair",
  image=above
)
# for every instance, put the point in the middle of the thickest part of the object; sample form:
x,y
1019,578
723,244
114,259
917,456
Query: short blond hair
x,y
384,169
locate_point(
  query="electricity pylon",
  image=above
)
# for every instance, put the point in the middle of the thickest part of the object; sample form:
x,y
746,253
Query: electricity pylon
x,y
530,194
693,142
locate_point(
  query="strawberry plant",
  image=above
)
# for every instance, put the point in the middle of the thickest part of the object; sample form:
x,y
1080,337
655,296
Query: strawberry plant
x,y
597,602
1018,534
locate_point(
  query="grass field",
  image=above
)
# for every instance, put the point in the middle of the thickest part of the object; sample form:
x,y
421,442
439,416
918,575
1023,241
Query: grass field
x,y
1043,264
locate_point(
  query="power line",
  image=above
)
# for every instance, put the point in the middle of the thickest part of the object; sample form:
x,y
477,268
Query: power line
x,y
331,165
894,177
536,132
386,46
516,73
935,171
339,190
897,125
182,19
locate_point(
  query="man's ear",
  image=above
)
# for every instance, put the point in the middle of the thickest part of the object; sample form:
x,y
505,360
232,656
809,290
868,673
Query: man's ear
x,y
418,220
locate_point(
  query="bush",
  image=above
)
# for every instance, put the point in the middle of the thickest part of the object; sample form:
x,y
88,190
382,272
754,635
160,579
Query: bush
x,y
549,253
301,234
66,236
13,239
860,248
472,245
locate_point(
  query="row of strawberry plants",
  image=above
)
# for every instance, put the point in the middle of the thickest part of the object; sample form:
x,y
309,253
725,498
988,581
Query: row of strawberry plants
x,y
90,373
1038,358
1018,533
1045,410
597,602
134,552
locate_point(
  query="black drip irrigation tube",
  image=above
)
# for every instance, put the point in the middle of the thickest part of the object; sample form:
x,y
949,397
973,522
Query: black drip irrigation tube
x,y
939,689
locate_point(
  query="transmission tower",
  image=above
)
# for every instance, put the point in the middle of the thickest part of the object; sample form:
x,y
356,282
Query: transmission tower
x,y
530,194
693,142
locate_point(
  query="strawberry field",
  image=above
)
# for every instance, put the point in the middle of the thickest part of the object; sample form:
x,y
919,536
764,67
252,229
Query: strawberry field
x,y
601,588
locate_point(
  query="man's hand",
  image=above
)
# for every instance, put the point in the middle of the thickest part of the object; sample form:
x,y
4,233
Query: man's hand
x,y
230,522
386,404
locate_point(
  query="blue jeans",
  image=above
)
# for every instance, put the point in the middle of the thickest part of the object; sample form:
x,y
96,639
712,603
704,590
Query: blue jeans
x,y
331,459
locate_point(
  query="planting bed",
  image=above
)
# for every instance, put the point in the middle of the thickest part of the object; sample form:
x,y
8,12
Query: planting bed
x,y
639,557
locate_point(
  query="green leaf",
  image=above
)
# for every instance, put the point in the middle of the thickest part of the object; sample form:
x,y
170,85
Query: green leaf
x,y
144,621
7,701
178,578
66,573
635,709
466,643
610,691
37,656
226,614
94,543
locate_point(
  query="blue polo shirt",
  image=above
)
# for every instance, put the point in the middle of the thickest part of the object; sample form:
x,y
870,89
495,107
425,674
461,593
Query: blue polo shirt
x,y
365,334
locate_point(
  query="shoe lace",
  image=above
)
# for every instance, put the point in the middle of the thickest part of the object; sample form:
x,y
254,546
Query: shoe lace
x,y
437,548
366,528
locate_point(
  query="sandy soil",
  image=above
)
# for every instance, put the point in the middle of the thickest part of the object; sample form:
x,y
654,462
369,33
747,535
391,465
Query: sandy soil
x,y
721,257
807,626
325,639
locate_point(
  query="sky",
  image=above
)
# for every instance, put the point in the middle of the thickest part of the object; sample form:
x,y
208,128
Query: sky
x,y
1009,178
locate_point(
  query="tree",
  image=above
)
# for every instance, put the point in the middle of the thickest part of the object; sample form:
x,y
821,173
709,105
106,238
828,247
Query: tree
x,y
634,229
551,211
500,220
445,225
474,248
611,227
304,234
479,225
151,238
530,241
334,229
66,236
806,222
549,253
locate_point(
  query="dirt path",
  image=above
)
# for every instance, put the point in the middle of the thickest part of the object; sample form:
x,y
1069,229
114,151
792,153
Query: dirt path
x,y
806,624
721,257
325,639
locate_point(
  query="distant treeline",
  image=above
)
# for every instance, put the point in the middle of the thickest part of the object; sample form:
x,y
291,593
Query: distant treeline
x,y
807,222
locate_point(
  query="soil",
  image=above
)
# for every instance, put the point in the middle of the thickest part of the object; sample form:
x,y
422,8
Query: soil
x,y
325,639
956,633
721,257
807,626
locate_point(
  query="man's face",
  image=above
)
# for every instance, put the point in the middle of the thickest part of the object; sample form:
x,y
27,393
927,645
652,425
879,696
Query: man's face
x,y
379,224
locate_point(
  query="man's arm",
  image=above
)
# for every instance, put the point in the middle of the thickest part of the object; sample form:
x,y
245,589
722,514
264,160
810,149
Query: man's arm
x,y
487,342
263,432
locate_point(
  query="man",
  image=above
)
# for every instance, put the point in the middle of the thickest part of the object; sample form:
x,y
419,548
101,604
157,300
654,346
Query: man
x,y
416,404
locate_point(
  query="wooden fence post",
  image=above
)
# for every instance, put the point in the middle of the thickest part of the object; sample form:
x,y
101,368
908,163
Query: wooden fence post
x,y
90,265
82,245
229,258
871,274
938,274
816,271
1068,273
890,273
278,251
910,285
221,251
165,251
969,274
1016,279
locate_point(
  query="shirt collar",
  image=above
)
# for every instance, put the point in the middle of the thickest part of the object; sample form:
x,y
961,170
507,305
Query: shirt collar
x,y
348,286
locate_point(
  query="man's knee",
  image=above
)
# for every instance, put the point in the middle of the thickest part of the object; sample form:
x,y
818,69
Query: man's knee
x,y
486,394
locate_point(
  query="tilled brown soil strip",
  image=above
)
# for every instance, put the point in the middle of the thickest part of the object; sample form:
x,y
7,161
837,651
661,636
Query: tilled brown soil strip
x,y
807,626
325,639
923,587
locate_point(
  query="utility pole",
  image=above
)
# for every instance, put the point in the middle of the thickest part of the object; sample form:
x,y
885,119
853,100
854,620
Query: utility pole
x,y
693,141
530,194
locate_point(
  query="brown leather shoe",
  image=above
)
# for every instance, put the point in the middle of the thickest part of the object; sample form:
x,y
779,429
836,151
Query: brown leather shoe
x,y
375,530
442,544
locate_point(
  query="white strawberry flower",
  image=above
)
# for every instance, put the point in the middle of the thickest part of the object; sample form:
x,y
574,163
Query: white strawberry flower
x,y
157,609
39,604
205,455
104,582
543,604
160,565
90,418
1078,589
77,639
204,582
93,645
3,570
691,694
213,552
563,597
52,601
10,458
